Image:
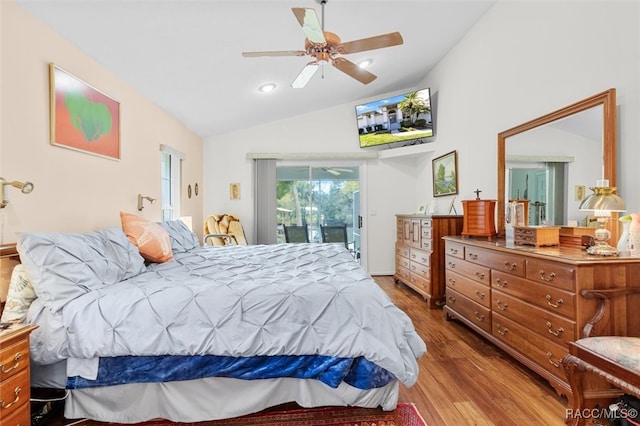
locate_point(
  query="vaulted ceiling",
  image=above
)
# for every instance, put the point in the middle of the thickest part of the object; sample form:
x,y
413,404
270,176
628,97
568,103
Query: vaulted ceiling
x,y
186,55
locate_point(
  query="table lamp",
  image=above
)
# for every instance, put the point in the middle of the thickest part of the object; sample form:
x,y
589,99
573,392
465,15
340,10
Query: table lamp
x,y
602,202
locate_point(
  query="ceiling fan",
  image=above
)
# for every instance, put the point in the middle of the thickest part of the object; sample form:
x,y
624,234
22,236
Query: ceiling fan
x,y
336,171
324,47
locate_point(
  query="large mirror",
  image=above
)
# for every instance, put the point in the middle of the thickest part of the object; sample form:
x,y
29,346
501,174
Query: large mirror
x,y
552,161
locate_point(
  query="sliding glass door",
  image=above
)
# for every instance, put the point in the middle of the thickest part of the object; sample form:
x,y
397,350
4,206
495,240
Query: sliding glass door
x,y
319,197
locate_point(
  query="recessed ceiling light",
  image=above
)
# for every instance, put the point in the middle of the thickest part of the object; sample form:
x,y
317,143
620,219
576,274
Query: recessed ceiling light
x,y
266,88
365,63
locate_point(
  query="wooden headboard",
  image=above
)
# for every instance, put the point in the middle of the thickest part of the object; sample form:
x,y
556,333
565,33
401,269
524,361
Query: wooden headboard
x,y
8,260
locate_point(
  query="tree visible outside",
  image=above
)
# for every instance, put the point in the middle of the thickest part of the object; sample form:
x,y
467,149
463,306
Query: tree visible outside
x,y
315,203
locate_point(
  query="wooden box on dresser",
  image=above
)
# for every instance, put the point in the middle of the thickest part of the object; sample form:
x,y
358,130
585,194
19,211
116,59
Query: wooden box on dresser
x,y
15,407
527,300
420,253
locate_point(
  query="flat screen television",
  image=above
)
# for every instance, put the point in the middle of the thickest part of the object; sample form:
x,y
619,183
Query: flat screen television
x,y
396,121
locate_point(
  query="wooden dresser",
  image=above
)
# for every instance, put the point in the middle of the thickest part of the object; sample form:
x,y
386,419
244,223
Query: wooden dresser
x,y
420,253
15,407
527,300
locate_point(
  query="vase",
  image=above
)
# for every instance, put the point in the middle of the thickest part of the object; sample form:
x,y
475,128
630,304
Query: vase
x,y
623,242
634,235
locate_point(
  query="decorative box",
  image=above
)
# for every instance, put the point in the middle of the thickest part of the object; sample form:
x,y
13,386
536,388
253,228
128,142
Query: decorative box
x,y
479,218
538,236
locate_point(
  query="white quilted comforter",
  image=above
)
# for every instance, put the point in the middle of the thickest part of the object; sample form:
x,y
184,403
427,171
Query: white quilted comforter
x,y
294,299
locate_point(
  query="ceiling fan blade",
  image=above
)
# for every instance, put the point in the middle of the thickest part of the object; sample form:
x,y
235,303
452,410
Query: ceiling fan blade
x,y
334,172
305,75
310,24
274,53
351,69
372,43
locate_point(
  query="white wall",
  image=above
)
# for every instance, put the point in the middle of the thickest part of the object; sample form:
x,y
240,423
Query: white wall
x,y
75,191
521,60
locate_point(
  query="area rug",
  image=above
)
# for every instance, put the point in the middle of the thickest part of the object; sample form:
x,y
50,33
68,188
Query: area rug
x,y
405,414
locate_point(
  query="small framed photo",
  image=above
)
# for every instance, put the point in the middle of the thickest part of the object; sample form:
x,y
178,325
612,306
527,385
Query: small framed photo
x,y
234,191
422,209
445,174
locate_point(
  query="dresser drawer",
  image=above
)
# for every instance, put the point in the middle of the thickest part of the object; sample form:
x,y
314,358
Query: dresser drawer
x,y
471,270
474,312
420,281
404,273
470,288
14,359
402,262
551,273
547,297
426,223
19,417
402,250
454,249
547,354
420,256
551,326
14,393
499,261
419,269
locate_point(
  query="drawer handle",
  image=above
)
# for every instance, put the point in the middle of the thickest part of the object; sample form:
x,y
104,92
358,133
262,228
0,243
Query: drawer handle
x,y
501,330
502,306
452,299
16,360
451,265
552,362
453,251
555,305
510,266
480,295
480,275
479,317
451,281
547,279
556,333
500,283
473,256
16,399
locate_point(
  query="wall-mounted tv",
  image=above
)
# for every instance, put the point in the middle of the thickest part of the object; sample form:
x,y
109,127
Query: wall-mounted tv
x,y
396,121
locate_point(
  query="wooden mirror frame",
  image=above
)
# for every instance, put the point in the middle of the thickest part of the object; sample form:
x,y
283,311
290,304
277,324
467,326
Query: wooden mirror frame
x,y
608,101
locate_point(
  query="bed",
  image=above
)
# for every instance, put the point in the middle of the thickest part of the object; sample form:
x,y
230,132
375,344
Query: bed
x,y
214,332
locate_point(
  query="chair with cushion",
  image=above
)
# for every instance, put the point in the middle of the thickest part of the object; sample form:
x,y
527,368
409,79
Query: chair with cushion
x,y
334,234
296,233
222,230
601,368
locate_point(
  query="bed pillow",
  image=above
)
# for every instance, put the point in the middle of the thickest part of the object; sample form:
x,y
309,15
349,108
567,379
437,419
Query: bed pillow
x,y
64,266
181,237
19,297
151,239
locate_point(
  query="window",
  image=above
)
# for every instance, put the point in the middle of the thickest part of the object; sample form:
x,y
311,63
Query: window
x,y
171,163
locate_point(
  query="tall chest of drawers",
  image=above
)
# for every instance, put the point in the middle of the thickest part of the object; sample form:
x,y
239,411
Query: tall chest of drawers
x,y
419,258
15,408
527,301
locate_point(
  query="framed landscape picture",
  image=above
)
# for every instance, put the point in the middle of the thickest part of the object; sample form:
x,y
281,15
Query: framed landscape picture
x,y
82,117
445,174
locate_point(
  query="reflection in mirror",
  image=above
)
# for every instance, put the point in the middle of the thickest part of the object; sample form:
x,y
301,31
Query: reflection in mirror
x,y
550,166
553,160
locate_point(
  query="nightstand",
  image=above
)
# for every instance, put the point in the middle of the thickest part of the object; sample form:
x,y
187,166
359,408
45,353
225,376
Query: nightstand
x,y
15,407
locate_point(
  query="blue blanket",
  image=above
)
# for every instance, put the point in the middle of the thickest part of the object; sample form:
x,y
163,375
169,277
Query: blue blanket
x,y
331,371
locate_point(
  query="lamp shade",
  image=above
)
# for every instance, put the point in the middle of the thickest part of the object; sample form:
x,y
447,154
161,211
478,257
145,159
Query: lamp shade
x,y
603,198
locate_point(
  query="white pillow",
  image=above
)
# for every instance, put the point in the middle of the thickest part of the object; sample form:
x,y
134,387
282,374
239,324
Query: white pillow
x,y
19,297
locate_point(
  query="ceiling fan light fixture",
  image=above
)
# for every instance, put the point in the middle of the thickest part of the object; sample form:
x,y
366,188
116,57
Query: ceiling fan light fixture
x,y
365,63
268,87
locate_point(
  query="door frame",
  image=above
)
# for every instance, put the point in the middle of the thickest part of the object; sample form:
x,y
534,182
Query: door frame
x,y
362,171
